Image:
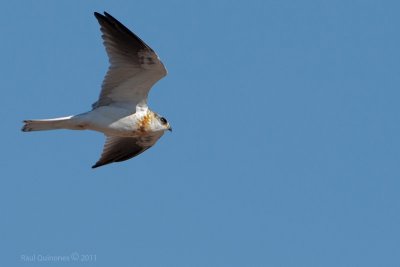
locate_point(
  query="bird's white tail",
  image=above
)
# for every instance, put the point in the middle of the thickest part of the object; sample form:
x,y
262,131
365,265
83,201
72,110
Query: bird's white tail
x,y
48,124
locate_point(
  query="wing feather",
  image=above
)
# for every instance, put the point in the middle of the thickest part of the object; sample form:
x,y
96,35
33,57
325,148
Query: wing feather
x,y
134,66
117,149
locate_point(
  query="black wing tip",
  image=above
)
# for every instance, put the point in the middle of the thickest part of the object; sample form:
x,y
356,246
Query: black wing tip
x,y
118,26
98,164
100,16
95,166
106,17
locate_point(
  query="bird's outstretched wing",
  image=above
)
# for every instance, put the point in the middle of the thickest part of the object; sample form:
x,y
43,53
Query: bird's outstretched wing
x,y
118,149
134,66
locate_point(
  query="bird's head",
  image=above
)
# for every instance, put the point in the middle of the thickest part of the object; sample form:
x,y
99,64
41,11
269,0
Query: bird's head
x,y
163,123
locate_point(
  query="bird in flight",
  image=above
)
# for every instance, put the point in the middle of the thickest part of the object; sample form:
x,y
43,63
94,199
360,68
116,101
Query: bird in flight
x,y
121,112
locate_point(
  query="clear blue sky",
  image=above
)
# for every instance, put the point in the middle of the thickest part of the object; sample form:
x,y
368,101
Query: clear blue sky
x,y
285,149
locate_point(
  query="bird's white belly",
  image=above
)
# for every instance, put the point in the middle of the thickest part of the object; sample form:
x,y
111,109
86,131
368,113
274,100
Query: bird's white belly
x,y
110,121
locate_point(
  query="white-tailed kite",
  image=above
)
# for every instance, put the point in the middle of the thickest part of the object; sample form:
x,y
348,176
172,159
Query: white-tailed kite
x,y
121,112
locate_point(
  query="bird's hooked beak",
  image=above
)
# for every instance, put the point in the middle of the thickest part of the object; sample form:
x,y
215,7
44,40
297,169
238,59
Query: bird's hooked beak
x,y
169,128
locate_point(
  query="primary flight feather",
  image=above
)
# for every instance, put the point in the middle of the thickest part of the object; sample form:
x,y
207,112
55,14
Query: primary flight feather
x,y
121,112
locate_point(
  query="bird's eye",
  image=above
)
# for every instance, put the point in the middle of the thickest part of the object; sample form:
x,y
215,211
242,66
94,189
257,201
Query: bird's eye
x,y
163,120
